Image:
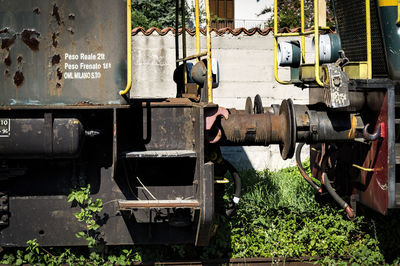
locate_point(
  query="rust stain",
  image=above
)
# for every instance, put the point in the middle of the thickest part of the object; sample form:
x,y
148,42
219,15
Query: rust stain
x,y
7,42
56,14
29,37
8,60
54,39
55,59
59,74
18,78
86,103
36,11
304,119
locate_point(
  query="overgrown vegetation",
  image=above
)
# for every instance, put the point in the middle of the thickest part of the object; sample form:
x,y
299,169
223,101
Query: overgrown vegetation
x,y
277,217
159,14
89,213
289,14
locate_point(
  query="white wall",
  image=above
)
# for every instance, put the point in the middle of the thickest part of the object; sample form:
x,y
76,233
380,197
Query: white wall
x,y
246,69
246,12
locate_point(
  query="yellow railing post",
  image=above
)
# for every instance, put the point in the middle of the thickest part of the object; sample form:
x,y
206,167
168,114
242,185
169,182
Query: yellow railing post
x,y
368,30
209,63
316,40
128,48
276,44
303,38
184,42
197,22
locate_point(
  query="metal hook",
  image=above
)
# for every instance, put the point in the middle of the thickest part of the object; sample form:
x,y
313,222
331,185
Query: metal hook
x,y
374,136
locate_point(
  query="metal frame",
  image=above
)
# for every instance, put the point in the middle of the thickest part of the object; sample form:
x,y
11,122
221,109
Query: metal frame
x,y
198,47
316,29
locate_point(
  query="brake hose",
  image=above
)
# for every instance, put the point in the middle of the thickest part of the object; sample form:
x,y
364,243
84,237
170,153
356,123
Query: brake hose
x,y
331,190
238,185
302,171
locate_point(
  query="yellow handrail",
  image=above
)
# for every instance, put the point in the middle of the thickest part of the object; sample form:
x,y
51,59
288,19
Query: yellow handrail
x,y
209,63
368,29
128,48
276,44
398,13
316,40
303,38
197,19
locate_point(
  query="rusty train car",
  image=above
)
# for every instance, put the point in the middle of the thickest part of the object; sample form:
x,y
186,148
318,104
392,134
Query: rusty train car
x,y
66,121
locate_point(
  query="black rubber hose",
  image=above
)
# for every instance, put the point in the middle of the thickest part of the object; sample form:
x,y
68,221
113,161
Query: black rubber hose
x,y
301,169
236,179
238,187
332,192
350,213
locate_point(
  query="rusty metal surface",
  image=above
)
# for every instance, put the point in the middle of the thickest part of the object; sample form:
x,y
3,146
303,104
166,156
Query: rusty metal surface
x,y
253,129
62,52
132,204
375,189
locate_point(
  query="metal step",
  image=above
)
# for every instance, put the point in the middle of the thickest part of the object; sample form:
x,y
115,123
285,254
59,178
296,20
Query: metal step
x,y
146,204
160,154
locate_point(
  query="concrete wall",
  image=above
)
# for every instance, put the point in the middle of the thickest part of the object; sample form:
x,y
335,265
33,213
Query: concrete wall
x,y
246,69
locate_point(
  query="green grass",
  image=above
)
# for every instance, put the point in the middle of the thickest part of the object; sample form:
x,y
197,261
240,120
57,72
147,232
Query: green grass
x,y
278,216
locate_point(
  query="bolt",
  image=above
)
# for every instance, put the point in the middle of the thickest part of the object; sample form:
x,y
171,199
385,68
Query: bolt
x,y
4,217
314,128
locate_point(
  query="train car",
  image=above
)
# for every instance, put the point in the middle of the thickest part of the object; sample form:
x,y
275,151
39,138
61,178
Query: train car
x,y
67,121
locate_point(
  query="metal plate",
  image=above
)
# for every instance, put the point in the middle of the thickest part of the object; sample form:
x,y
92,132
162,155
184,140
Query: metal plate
x,y
62,52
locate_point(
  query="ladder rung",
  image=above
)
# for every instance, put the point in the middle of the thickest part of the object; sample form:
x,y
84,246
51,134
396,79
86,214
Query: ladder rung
x,y
145,204
190,57
160,154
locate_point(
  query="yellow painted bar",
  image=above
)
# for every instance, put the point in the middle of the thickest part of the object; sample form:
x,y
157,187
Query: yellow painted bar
x,y
128,48
295,33
303,38
368,30
276,44
316,39
197,22
183,23
398,13
387,2
209,63
190,57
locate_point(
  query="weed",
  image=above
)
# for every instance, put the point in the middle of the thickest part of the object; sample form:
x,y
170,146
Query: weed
x,y
89,213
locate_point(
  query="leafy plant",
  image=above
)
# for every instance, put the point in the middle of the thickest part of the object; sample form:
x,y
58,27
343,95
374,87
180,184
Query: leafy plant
x,y
89,213
160,14
289,14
